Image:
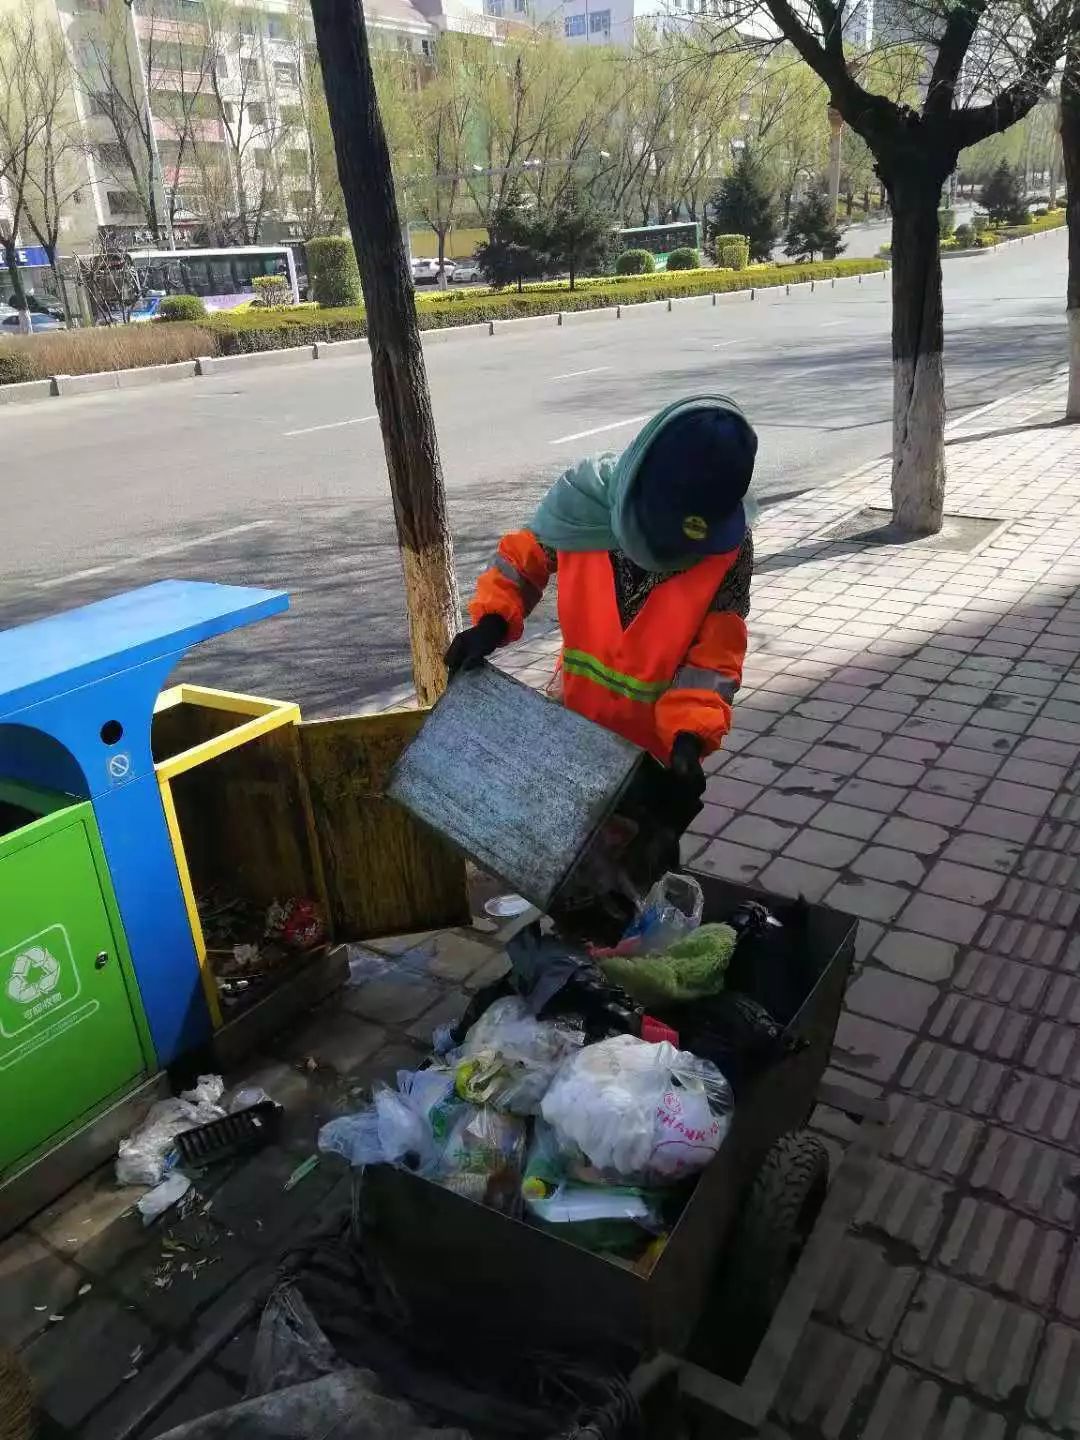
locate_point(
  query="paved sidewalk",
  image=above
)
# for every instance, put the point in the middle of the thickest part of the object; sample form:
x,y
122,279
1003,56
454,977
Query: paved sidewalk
x,y
907,749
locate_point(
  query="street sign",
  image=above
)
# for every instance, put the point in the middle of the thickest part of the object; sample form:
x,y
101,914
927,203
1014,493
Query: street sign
x,y
31,255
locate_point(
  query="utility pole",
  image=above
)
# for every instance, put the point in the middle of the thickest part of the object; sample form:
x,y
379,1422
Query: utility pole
x,y
402,397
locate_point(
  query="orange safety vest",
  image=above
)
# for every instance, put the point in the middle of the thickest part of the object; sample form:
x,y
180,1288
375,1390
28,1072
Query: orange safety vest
x,y
615,676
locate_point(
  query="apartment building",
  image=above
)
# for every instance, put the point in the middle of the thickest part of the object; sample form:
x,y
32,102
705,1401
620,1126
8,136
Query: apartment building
x,y
197,114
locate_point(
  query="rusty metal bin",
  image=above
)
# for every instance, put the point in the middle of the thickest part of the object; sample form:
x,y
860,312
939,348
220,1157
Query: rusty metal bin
x,y
470,1263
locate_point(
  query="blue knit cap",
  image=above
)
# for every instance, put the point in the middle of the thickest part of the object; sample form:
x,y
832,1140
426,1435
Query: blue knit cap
x,y
688,490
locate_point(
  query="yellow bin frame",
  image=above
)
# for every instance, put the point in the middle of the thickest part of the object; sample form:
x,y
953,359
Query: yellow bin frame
x,y
266,715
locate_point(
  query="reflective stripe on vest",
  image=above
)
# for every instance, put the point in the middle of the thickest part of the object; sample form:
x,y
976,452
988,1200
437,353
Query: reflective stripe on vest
x,y
695,677
577,662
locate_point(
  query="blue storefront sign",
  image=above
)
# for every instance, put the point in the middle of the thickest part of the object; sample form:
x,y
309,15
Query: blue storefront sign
x,y
31,255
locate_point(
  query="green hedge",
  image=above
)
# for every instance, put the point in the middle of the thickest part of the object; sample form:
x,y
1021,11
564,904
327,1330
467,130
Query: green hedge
x,y
335,280
685,258
253,330
16,366
635,262
1052,220
181,307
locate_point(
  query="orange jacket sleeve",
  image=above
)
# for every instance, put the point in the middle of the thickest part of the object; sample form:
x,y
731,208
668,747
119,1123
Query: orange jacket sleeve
x,y
704,687
514,583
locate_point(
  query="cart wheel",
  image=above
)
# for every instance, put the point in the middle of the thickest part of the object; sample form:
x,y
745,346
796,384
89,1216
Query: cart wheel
x,y
773,1226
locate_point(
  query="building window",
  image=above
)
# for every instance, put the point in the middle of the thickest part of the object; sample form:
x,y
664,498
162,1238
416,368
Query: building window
x,y
286,74
276,28
256,112
248,25
427,49
600,22
110,155
574,25
122,202
520,7
497,8
249,70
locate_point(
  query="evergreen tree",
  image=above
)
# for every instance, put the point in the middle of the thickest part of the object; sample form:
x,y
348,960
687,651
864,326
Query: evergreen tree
x,y
515,250
813,229
580,234
1003,197
743,206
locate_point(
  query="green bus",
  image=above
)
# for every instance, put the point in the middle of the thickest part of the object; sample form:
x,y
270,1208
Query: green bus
x,y
660,240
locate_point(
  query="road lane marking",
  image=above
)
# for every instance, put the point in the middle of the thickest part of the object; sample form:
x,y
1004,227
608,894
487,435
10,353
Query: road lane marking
x,y
830,324
723,344
330,425
213,536
598,430
574,374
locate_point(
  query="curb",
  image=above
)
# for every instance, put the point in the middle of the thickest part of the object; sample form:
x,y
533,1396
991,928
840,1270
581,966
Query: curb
x,y
203,365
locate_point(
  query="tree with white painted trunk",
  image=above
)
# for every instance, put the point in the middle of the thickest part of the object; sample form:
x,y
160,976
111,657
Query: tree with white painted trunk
x,y
1070,151
988,62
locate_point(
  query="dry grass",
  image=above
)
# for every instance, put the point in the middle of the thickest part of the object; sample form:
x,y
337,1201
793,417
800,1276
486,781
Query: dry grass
x,y
107,347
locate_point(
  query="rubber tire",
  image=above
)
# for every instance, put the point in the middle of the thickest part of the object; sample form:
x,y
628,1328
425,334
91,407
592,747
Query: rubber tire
x,y
772,1228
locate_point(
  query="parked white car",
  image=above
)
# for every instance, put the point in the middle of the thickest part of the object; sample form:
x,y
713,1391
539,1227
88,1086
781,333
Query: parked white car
x,y
467,272
426,272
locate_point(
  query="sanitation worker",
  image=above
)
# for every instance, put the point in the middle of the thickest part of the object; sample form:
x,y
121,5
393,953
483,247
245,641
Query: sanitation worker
x,y
654,553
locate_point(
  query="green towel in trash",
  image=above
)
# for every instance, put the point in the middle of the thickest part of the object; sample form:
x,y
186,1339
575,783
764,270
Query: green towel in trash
x,y
691,969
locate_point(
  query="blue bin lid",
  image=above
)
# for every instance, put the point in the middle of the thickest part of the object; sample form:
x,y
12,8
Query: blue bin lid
x,y
85,646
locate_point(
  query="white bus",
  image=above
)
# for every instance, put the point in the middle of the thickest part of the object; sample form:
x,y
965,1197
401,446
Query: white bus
x,y
221,278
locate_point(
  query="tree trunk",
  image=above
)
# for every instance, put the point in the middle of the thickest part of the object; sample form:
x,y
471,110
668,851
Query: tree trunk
x,y
918,469
18,290
397,359
1070,156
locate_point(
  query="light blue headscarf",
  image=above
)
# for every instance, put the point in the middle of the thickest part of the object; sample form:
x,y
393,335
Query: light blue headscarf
x,y
588,507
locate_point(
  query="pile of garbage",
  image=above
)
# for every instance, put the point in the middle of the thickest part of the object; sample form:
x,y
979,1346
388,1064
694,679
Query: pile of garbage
x,y
247,945
586,1091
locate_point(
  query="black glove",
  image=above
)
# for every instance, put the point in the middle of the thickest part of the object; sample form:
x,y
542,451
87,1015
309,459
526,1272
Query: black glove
x,y
686,763
469,647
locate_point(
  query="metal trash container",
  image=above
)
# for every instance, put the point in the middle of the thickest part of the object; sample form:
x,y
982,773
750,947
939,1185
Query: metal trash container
x,y
562,810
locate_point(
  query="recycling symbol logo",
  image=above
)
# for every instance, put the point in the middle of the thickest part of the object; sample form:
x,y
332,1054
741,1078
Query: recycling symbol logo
x,y
35,973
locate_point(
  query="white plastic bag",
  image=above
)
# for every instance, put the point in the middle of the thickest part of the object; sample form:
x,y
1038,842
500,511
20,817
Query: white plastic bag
x,y
142,1156
672,908
509,1057
638,1112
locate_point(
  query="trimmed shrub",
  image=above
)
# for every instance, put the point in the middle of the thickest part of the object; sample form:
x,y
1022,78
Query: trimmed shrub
x,y
17,366
732,251
273,292
980,221
181,307
635,262
685,258
985,240
335,280
964,236
946,223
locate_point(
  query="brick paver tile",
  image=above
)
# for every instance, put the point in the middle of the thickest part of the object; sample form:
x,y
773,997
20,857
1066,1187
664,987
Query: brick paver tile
x,y
920,836
1009,795
865,1293
904,1205
910,1404
76,1365
759,832
917,955
796,878
984,851
794,727
966,883
953,1077
1041,1108
733,862
870,1049
945,919
969,1337
847,820
1054,1395
1008,982
1001,824
978,1025
711,820
892,772
754,769
883,996
970,761
775,747
953,784
871,795
1022,939
736,794
1033,772
871,899
822,848
940,1142
829,1375
881,862
1037,1179
936,809
834,759
907,748
991,1246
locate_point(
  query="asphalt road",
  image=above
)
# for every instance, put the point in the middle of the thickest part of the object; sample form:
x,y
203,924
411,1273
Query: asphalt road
x,y
277,477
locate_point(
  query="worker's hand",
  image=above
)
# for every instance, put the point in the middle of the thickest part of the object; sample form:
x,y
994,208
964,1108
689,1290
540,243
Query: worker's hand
x,y
686,762
469,647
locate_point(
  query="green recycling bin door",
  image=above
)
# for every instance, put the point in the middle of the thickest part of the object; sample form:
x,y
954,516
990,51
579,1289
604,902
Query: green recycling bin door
x,y
71,1030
